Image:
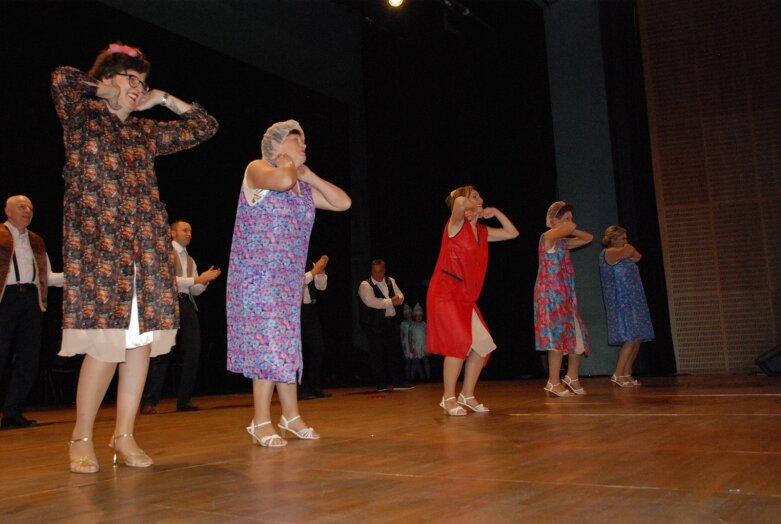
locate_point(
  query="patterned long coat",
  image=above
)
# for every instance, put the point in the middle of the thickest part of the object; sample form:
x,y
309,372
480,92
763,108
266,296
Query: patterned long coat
x,y
113,217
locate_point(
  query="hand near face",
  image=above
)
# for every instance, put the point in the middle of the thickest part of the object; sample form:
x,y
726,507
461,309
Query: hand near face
x,y
471,213
489,212
110,92
303,172
150,99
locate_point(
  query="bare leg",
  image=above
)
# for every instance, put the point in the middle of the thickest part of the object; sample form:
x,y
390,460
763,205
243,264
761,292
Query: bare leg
x,y
94,378
451,369
130,387
631,360
262,393
472,369
623,365
554,370
573,366
288,397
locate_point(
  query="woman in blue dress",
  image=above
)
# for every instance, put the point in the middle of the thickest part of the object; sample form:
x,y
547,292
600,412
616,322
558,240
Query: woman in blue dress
x,y
628,319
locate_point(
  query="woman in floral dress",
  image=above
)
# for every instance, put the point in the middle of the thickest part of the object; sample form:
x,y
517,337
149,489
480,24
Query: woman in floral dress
x,y
558,328
274,219
628,318
119,297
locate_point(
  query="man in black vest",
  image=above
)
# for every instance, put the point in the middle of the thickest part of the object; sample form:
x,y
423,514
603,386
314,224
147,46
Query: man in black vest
x,y
380,296
312,343
188,338
25,274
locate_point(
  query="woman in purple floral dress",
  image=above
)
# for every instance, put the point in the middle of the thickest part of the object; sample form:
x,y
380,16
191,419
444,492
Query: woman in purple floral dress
x,y
558,328
265,278
119,297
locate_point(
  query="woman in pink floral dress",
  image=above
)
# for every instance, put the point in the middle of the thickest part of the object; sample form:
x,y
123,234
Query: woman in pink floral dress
x,y
558,328
265,279
119,297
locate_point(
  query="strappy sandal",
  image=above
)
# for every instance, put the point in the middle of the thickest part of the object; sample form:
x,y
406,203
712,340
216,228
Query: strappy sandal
x,y
549,388
136,459
621,382
457,411
569,383
306,433
463,401
85,463
269,441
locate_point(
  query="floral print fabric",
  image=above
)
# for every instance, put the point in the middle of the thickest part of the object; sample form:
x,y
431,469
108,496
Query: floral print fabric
x,y
555,303
265,284
113,217
628,318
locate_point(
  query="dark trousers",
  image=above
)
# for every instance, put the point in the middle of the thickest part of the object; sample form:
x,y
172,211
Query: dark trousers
x,y
187,351
21,321
385,354
312,348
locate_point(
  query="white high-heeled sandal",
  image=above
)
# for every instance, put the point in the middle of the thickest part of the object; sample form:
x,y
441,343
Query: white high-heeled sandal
x,y
268,440
462,401
457,411
549,389
621,381
306,433
568,382
632,380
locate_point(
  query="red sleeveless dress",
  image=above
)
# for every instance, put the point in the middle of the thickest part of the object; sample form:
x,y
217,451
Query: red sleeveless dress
x,y
454,289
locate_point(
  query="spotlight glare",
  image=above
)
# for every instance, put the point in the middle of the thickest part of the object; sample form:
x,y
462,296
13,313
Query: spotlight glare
x,y
395,3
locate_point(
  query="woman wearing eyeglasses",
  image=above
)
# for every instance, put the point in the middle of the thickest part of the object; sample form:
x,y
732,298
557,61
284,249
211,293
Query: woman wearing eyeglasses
x,y
119,297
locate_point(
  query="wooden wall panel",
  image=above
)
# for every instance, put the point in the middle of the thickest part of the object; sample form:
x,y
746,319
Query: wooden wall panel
x,y
713,78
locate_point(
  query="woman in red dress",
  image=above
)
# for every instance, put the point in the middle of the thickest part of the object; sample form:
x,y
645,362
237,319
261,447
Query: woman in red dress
x,y
456,328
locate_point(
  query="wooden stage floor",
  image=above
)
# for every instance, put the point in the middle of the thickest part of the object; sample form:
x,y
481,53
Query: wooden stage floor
x,y
677,449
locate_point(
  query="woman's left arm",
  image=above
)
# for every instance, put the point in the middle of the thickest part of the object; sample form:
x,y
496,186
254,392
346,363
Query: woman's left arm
x,y
507,232
579,238
325,194
193,126
614,255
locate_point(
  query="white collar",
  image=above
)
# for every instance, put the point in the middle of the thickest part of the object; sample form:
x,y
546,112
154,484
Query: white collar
x,y
15,232
177,246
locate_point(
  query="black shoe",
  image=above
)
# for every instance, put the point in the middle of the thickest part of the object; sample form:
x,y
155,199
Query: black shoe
x,y
187,407
306,396
323,394
404,386
17,421
383,389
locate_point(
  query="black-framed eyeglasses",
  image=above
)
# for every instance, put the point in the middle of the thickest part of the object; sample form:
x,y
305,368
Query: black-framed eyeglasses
x,y
134,81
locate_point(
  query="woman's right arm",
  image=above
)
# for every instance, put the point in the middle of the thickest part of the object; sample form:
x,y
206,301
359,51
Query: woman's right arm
x,y
563,230
71,91
463,209
614,255
262,175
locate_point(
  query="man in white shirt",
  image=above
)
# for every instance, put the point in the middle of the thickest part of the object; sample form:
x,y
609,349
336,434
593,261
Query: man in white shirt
x,y
312,344
25,274
188,339
380,296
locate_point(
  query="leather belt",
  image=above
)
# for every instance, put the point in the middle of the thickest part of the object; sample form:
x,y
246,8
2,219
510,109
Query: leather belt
x,y
22,288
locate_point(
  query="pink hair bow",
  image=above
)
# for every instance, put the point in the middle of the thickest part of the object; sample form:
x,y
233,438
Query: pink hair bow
x,y
125,49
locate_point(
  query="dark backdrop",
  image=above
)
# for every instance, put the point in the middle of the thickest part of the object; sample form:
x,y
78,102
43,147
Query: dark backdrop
x,y
450,100
201,185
